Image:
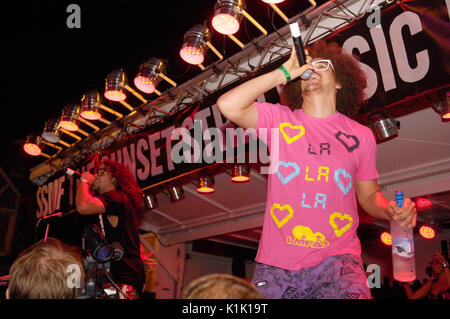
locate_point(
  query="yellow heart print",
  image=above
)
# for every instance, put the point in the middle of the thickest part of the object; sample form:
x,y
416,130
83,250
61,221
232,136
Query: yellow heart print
x,y
288,139
339,231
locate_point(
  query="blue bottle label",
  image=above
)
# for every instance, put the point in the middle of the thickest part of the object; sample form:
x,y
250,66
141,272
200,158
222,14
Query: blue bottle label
x,y
399,198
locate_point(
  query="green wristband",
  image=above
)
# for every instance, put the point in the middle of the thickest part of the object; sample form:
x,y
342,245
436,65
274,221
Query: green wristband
x,y
285,72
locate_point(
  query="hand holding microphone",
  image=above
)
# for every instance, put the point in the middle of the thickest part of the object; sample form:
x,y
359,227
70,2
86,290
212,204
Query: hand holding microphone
x,y
299,49
85,177
297,65
71,172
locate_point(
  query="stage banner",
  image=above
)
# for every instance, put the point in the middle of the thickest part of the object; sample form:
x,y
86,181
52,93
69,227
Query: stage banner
x,y
404,50
187,141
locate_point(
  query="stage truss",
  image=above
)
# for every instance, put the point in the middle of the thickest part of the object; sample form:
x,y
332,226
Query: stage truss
x,y
316,23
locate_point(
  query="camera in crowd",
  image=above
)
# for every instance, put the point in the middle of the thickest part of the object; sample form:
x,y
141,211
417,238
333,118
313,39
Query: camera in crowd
x,y
97,257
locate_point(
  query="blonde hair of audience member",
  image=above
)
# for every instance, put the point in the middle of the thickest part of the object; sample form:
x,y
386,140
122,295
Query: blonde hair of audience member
x,y
41,272
221,286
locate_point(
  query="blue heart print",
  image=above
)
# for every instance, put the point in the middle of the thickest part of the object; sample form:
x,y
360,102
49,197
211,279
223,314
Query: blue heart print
x,y
337,175
285,180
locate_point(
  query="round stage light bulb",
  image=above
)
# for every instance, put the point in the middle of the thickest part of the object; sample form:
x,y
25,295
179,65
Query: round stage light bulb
x,y
240,179
91,115
427,232
205,190
70,126
273,1
206,184
144,84
32,149
114,95
192,55
240,173
225,23
386,238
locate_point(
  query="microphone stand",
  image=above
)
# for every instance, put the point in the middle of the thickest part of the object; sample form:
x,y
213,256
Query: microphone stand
x,y
58,214
46,232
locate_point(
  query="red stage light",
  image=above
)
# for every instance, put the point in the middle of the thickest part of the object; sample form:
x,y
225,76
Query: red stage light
x,y
90,106
273,1
115,95
206,184
240,173
240,179
70,126
115,82
69,116
386,238
150,74
91,115
427,232
192,55
205,190
144,84
225,23
32,149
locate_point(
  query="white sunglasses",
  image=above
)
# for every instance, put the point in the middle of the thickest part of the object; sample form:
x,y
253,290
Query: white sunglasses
x,y
322,65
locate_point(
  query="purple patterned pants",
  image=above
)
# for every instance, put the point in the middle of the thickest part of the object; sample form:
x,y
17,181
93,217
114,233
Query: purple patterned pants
x,y
337,277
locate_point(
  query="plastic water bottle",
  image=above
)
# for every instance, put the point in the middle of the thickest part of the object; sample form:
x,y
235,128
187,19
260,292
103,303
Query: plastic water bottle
x,y
403,262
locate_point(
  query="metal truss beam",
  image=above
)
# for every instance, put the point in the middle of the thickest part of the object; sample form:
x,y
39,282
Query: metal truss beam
x,y
316,23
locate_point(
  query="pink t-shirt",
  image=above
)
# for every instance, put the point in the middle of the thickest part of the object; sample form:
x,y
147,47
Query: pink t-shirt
x,y
311,211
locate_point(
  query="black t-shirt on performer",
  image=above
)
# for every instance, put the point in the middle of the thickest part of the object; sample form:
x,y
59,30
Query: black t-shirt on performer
x,y
130,269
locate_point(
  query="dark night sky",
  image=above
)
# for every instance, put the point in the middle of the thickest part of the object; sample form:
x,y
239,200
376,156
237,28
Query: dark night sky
x,y
49,65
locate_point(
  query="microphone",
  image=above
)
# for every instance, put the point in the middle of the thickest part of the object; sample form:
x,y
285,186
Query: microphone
x,y
70,172
58,214
299,49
